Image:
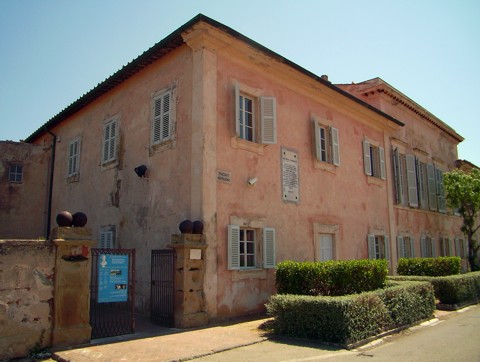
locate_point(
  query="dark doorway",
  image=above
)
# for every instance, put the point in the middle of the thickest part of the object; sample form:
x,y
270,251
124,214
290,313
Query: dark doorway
x,y
162,293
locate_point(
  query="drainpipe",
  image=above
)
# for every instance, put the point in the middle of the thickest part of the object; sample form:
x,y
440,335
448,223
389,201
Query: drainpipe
x,y
50,186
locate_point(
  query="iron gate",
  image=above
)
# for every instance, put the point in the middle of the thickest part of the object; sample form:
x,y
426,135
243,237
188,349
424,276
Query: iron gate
x,y
112,292
162,292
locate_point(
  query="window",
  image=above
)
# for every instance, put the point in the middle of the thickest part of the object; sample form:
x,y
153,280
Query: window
x,y
246,250
461,248
427,247
406,247
110,131
374,160
446,247
163,110
263,130
440,191
15,173
73,157
378,247
107,237
324,247
422,185
326,144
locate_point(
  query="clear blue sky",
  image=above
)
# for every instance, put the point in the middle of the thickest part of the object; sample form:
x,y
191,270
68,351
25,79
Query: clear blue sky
x,y
52,52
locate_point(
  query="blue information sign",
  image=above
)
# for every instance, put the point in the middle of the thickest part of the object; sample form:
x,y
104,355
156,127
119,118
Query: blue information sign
x,y
112,278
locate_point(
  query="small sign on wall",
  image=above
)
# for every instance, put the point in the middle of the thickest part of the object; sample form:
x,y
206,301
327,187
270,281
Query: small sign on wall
x,y
224,176
195,254
112,278
290,183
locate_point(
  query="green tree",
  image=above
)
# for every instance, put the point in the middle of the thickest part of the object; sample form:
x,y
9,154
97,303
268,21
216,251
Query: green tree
x,y
463,194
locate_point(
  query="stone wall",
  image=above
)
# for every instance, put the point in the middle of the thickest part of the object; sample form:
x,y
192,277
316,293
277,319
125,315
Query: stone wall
x,y
26,296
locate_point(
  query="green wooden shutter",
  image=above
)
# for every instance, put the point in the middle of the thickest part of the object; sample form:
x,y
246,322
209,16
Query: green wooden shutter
x,y
371,247
423,246
367,162
269,248
335,146
383,172
233,247
412,181
268,119
432,187
387,247
400,246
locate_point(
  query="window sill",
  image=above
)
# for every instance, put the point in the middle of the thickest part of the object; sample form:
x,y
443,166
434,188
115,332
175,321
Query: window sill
x,y
372,180
162,146
242,144
243,274
109,164
325,166
73,178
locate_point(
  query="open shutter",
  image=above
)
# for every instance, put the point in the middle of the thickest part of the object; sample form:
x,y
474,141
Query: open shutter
x,y
450,247
466,251
387,247
335,146
269,248
400,246
237,108
318,147
233,247
432,241
381,153
398,178
432,190
440,191
458,248
367,163
412,181
371,247
268,117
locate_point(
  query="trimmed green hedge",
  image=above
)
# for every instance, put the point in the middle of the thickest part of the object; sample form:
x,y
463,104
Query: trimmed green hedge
x,y
352,318
334,277
434,267
453,289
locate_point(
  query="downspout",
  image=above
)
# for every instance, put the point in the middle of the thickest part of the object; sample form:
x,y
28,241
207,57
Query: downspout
x,y
50,186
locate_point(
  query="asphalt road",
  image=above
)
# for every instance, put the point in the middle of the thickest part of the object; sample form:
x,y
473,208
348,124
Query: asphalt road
x,y
456,338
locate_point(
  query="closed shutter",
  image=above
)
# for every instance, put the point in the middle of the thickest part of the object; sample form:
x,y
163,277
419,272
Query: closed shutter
x,y
466,251
367,163
401,247
432,241
412,181
269,248
432,189
162,120
335,146
412,247
233,247
381,153
423,246
371,247
109,141
458,250
268,118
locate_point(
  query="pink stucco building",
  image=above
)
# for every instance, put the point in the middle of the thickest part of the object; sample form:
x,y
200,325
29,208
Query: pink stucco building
x,y
277,162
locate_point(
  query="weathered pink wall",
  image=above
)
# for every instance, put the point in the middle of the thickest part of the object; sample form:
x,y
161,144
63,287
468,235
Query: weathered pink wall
x,y
22,205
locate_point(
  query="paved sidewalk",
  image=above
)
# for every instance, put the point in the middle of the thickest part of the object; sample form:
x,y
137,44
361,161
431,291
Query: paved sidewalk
x,y
154,343
167,344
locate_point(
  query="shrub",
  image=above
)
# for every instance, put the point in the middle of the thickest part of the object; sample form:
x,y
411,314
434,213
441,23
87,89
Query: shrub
x,y
352,318
453,289
434,267
334,277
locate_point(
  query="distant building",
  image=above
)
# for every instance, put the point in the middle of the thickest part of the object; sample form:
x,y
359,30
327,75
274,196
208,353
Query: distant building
x,y
277,162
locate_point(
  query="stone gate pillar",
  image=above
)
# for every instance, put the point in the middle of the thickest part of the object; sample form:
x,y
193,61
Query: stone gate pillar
x,y
190,308
71,303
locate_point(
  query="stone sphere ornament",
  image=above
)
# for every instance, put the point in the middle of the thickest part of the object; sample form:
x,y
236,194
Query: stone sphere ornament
x,y
79,219
186,227
198,227
64,218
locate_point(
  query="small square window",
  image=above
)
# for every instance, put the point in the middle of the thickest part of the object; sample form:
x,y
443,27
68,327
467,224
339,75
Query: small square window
x,y
15,173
